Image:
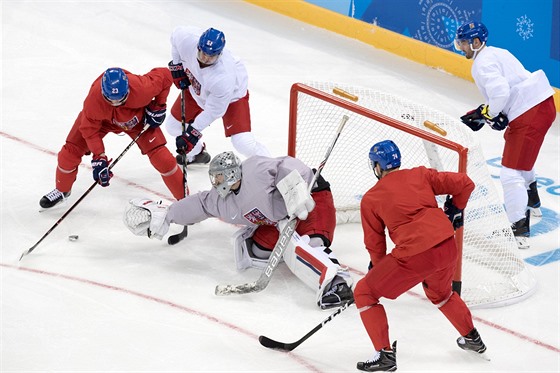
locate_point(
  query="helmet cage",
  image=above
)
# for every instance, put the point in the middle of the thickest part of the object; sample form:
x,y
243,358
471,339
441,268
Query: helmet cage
x,y
224,171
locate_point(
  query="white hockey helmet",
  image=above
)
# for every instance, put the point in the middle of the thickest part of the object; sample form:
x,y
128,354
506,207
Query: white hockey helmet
x,y
224,171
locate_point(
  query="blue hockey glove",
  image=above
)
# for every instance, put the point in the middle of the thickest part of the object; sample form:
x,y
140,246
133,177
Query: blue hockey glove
x,y
154,114
101,173
454,214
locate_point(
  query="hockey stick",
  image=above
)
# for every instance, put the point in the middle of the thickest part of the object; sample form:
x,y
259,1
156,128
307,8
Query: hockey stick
x,y
85,194
271,343
176,238
285,236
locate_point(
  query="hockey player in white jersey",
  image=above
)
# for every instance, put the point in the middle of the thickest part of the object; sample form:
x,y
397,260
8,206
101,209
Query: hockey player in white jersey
x,y
214,84
522,104
261,193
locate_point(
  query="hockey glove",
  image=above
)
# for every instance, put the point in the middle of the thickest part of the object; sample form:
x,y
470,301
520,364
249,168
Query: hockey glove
x,y
474,119
498,123
294,190
154,114
187,140
180,79
101,172
145,217
454,214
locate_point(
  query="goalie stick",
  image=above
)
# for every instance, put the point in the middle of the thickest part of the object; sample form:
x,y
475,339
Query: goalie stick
x,y
176,238
26,252
285,236
271,343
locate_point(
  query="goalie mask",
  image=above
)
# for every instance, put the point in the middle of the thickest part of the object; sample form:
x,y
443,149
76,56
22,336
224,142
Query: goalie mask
x,y
224,171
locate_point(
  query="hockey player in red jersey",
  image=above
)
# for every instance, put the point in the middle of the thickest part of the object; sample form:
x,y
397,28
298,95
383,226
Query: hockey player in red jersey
x,y
259,194
118,101
404,203
519,102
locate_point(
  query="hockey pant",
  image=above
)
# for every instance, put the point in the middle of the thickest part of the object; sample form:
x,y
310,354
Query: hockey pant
x,y
391,277
151,143
315,266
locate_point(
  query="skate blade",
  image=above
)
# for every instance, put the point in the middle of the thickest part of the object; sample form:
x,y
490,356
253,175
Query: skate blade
x,y
536,211
56,207
523,243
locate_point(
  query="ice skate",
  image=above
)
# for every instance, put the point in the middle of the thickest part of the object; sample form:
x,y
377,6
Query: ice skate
x,y
53,198
383,361
201,158
534,202
338,295
521,231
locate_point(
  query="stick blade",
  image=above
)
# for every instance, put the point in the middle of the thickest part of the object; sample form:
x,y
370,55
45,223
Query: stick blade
x,y
250,287
275,345
176,238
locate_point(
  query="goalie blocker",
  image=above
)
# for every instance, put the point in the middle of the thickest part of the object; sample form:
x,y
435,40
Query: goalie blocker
x,y
261,204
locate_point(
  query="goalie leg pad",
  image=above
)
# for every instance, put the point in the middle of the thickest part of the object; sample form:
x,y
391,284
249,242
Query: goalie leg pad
x,y
144,217
316,267
243,251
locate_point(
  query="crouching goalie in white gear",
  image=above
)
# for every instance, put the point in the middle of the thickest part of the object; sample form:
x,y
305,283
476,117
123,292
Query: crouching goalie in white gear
x,y
261,193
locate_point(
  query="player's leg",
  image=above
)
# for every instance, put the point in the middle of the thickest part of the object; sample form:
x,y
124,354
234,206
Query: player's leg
x,y
174,126
237,125
378,283
437,287
152,143
516,200
68,160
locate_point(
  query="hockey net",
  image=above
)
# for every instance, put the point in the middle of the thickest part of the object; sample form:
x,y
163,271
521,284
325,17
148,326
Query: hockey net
x,y
491,273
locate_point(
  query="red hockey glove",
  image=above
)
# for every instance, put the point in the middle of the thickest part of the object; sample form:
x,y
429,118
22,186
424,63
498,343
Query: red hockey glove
x,y
187,140
180,79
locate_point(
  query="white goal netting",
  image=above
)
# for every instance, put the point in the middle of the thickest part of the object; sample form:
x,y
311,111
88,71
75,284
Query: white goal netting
x,y
492,272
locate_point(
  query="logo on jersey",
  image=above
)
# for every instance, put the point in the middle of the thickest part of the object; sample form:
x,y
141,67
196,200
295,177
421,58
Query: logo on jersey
x,y
255,216
195,84
128,125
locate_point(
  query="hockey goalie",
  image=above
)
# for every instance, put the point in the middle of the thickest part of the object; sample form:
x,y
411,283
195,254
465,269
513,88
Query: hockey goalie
x,y
261,193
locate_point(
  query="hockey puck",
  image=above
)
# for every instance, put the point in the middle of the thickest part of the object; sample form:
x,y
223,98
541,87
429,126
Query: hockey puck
x,y
73,237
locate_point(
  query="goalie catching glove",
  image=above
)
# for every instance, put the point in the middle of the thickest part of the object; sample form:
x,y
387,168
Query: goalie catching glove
x,y
294,190
144,217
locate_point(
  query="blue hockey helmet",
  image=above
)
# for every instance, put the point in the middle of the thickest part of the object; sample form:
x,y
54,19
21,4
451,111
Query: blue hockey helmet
x,y
114,86
471,30
385,153
212,42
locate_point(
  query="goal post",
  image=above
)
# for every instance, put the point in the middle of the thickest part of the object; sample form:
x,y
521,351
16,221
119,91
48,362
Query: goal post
x,y
489,271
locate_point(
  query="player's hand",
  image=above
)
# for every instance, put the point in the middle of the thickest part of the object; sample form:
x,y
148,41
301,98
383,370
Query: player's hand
x,y
101,172
474,119
154,114
498,122
187,140
454,214
180,79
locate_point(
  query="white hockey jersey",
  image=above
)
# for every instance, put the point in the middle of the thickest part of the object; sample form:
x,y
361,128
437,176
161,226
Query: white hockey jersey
x,y
506,85
213,87
256,202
